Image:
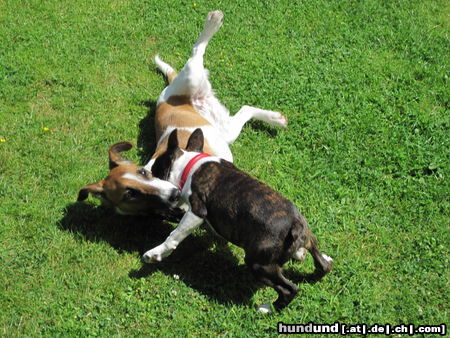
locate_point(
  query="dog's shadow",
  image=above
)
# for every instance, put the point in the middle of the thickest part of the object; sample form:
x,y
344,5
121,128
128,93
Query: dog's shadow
x,y
146,141
203,261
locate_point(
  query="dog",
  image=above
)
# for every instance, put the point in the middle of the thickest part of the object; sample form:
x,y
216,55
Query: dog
x,y
239,208
187,103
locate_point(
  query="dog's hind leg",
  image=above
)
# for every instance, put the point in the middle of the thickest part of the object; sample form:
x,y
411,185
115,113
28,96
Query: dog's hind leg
x,y
214,21
322,262
236,122
193,78
271,275
166,69
307,241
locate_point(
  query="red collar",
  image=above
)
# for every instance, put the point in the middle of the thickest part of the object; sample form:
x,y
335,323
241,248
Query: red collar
x,y
189,166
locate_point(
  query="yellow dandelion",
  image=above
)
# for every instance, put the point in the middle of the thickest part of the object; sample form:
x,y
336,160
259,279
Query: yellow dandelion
x,y
2,140
46,129
195,4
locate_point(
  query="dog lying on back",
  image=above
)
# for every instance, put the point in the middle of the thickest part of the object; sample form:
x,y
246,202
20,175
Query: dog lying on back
x,y
241,209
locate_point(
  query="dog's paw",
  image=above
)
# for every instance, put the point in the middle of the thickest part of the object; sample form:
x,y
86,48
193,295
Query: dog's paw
x,y
213,22
156,254
300,254
215,18
264,308
149,257
279,120
328,265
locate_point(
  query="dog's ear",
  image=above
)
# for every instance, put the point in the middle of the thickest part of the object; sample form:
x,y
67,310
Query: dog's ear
x,y
114,153
95,189
173,140
196,141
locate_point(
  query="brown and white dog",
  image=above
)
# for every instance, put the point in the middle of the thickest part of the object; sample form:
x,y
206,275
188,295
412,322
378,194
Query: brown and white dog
x,y
187,103
242,210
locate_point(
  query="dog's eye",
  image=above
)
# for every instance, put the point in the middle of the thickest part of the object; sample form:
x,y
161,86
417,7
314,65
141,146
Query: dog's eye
x,y
131,193
142,172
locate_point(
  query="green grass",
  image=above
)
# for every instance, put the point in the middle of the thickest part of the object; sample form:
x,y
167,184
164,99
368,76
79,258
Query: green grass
x,y
364,85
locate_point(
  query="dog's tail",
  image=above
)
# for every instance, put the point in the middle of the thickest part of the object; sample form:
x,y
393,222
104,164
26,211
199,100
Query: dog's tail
x,y
305,240
166,69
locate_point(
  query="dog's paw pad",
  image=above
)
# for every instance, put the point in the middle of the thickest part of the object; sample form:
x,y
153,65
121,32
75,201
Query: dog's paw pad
x,y
264,308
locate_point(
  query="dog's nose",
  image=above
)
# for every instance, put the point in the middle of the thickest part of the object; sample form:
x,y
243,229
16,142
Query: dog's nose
x,y
175,195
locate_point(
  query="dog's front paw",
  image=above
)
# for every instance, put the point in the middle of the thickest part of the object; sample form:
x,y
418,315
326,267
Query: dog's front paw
x,y
156,254
151,257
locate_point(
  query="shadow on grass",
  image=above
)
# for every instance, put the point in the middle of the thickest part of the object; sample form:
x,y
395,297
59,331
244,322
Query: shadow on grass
x,y
146,139
271,131
123,233
211,269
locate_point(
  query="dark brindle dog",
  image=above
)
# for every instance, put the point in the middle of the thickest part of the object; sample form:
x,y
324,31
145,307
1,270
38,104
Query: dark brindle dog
x,y
242,210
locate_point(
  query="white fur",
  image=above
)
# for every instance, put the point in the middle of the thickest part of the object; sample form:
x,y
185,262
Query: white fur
x,y
193,81
178,169
188,223
327,258
164,188
149,165
165,68
215,139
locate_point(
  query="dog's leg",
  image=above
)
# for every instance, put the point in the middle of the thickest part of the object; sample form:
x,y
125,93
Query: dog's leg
x,y
193,78
236,122
271,275
214,21
188,223
322,262
166,69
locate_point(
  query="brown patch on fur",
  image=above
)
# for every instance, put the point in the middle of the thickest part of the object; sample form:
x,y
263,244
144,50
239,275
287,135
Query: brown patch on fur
x,y
177,112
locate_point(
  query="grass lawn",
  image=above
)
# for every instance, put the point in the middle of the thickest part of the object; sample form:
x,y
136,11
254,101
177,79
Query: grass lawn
x,y
365,87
